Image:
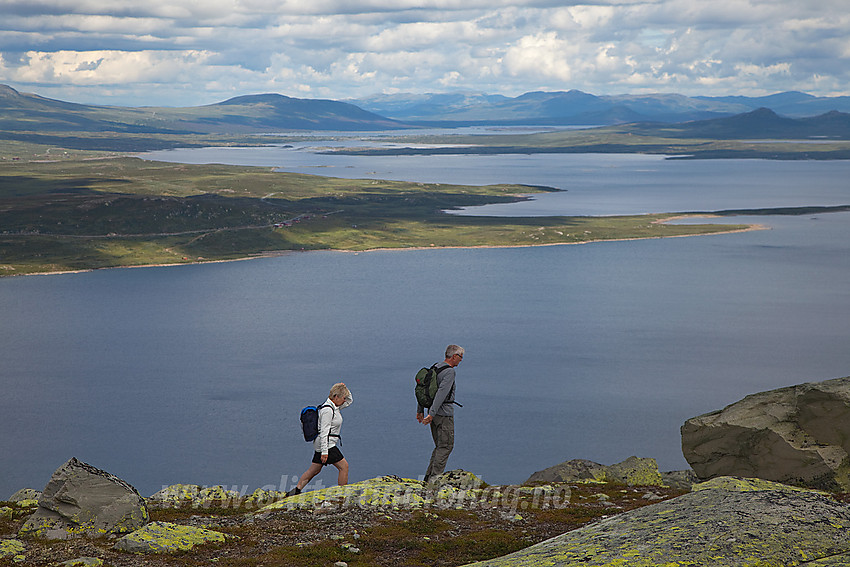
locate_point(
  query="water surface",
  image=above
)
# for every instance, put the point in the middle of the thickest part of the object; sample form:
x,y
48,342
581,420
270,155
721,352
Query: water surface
x,y
196,374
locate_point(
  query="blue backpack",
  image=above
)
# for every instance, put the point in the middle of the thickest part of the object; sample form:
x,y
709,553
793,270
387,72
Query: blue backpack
x,y
310,421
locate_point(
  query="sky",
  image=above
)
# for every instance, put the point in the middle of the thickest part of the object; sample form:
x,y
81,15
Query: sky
x,y
193,52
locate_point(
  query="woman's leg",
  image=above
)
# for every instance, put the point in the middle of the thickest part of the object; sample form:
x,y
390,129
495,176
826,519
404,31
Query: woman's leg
x,y
342,465
308,475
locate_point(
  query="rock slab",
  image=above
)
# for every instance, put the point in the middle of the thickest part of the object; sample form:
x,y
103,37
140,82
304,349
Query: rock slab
x,y
734,523
633,471
81,500
165,537
25,495
456,489
796,435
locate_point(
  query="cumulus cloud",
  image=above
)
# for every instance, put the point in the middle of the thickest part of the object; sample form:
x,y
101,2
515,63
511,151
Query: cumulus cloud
x,y
201,52
106,67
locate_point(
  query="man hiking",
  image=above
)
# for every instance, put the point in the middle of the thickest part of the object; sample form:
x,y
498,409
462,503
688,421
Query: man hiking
x,y
441,413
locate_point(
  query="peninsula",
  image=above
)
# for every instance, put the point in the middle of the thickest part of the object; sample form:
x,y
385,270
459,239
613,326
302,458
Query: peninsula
x,y
75,196
65,210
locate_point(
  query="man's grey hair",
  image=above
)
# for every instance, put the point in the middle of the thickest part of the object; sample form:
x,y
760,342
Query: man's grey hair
x,y
452,350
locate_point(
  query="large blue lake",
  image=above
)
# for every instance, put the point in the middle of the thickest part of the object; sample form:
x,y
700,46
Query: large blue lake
x,y
197,374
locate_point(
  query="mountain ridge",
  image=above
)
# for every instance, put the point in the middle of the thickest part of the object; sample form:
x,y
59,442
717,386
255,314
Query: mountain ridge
x,y
575,107
762,123
274,113
242,114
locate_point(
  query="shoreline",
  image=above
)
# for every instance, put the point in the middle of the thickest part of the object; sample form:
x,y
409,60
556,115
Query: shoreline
x,y
278,253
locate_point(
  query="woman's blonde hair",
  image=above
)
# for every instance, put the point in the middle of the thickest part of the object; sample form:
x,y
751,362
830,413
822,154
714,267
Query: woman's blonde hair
x,y
339,390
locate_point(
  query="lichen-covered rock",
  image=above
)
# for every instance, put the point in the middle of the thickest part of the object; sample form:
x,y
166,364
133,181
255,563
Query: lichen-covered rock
x,y
712,526
261,498
738,484
165,537
81,500
454,489
25,494
11,547
195,495
680,480
573,470
634,471
6,513
796,435
387,491
457,478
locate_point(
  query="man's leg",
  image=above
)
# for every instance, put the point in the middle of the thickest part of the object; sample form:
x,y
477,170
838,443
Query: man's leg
x,y
443,432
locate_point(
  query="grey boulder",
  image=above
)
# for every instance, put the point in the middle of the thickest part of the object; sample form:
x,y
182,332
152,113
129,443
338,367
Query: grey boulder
x,y
797,435
81,500
632,471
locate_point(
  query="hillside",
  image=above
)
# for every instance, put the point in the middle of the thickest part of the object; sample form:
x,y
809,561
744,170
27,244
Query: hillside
x,y
21,112
579,108
758,124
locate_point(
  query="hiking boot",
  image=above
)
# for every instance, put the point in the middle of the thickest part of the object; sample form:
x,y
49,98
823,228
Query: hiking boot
x,y
294,491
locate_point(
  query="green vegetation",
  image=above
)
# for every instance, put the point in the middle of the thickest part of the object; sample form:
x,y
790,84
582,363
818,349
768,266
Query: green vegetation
x,y
64,209
626,139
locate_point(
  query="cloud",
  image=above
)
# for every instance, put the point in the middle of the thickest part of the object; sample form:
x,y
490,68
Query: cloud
x,y
200,52
542,55
109,68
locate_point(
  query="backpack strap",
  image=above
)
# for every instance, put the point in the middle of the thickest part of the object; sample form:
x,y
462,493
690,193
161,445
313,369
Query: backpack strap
x,y
333,409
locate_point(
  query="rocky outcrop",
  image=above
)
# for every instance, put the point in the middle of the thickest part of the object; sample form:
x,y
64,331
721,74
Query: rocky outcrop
x,y
165,537
25,495
453,489
633,471
81,500
796,435
193,494
198,496
729,522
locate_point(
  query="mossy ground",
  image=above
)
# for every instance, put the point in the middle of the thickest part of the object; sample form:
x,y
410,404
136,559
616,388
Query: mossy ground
x,y
384,537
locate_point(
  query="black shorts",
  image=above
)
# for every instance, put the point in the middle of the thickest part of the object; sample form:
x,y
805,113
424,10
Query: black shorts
x,y
334,456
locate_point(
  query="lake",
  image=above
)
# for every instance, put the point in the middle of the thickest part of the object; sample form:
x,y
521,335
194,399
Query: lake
x,y
592,184
196,374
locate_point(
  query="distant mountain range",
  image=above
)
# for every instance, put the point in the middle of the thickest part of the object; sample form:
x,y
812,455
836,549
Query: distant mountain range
x,y
243,114
762,123
579,108
269,113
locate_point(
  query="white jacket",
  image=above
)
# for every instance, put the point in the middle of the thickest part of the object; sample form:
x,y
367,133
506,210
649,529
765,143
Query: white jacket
x,y
330,424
